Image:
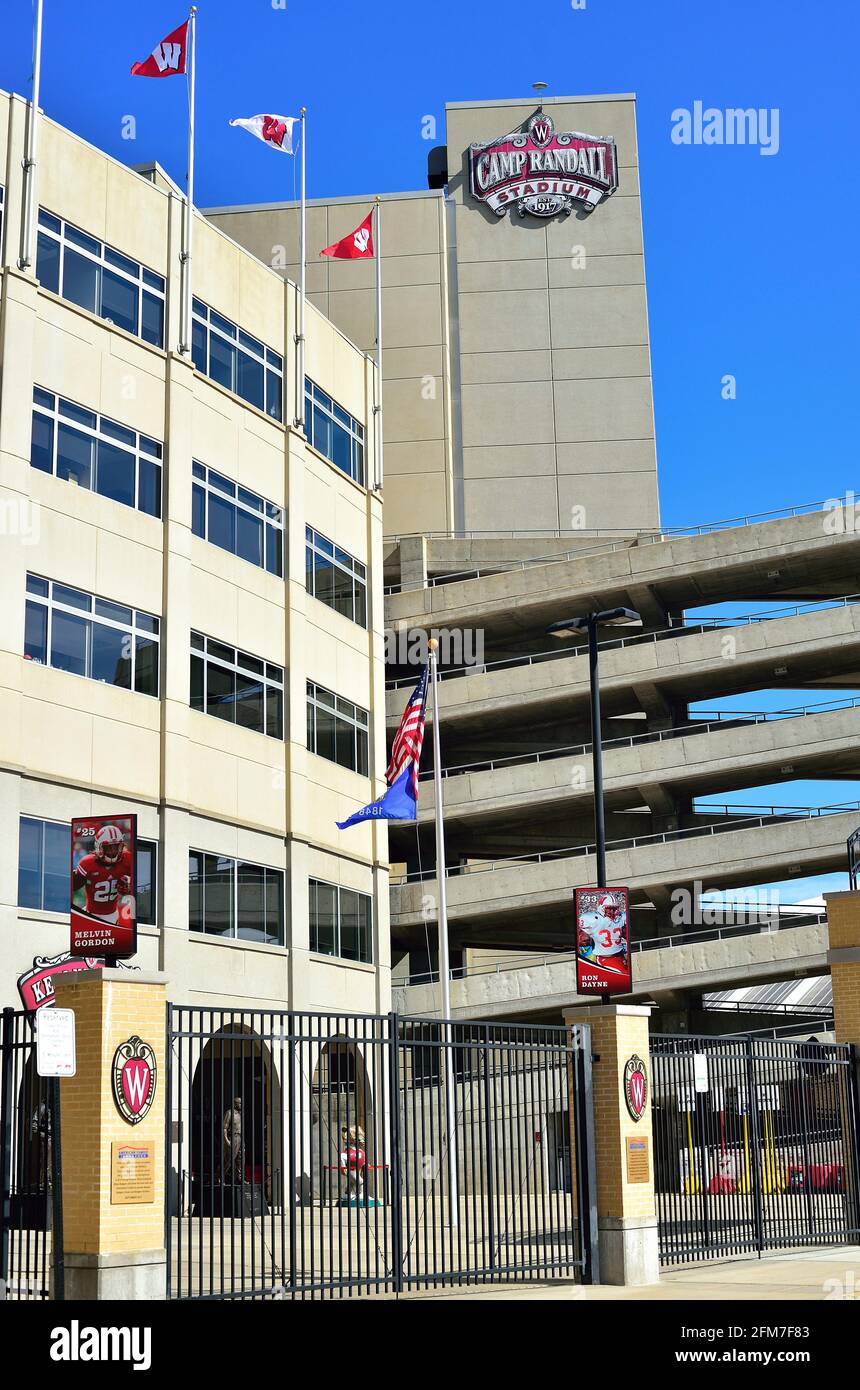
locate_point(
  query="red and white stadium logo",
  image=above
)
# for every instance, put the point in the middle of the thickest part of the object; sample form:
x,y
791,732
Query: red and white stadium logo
x,y
134,1076
543,171
635,1087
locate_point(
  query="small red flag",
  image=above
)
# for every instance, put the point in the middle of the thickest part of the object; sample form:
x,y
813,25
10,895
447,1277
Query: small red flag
x,y
358,246
168,58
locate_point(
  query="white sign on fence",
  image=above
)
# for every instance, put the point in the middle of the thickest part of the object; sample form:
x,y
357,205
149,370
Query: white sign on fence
x,y
55,1042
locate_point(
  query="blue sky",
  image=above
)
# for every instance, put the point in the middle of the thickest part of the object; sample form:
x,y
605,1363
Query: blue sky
x,y
751,259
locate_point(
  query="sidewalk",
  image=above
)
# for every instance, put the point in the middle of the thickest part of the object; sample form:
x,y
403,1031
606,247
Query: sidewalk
x,y
807,1276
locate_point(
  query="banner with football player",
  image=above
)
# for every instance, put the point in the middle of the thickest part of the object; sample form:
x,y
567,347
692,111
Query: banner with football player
x,y
603,941
103,886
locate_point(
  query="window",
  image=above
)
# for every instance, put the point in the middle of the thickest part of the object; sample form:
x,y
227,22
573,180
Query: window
x,y
89,636
96,453
341,921
235,899
337,729
85,271
44,854
236,686
334,432
237,361
335,577
238,520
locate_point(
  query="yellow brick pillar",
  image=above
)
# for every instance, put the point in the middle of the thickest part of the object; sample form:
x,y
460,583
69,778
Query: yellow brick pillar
x,y
626,1212
843,930
113,1170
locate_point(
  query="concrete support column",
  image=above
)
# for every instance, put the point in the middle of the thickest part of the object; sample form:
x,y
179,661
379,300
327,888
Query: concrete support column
x,y
413,562
843,931
113,1200
626,1212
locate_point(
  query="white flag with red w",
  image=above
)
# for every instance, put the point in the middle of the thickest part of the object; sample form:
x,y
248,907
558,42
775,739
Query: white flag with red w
x,y
276,131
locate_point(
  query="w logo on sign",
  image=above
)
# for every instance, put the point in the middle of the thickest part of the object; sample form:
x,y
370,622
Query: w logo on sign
x,y
134,1075
168,56
362,239
541,129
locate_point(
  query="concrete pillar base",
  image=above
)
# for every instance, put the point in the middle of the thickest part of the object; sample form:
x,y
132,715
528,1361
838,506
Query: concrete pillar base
x,y
628,1250
137,1274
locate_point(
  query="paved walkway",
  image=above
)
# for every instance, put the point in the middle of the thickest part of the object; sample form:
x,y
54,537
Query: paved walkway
x,y
808,1276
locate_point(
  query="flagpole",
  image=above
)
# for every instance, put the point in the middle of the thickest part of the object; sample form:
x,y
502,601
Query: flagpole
x,y
377,408
188,228
444,961
300,335
25,257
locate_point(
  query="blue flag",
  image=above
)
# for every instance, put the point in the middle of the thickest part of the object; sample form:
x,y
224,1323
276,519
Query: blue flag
x,y
398,803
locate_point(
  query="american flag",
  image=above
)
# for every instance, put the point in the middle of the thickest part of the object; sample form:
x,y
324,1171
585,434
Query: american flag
x,y
407,743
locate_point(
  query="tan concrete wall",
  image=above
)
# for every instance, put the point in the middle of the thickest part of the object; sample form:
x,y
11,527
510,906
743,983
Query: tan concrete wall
x,y
556,383
514,381
70,745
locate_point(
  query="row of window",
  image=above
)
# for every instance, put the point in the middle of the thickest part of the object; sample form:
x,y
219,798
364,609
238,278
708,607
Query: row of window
x,y
335,577
95,276
237,520
98,278
236,686
85,635
101,455
337,729
95,453
88,636
227,897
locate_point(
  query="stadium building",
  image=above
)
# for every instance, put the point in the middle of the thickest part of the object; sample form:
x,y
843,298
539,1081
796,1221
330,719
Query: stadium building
x,y
191,598
519,429
175,536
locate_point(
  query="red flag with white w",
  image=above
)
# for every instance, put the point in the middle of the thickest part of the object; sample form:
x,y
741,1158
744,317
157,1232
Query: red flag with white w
x,y
168,58
358,246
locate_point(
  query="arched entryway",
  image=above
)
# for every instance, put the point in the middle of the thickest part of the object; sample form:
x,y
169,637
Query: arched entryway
x,y
342,1117
235,1143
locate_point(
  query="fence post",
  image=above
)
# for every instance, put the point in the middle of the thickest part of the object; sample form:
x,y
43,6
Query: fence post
x,y
491,1174
755,1145
57,1247
396,1183
7,1102
626,1211
585,1159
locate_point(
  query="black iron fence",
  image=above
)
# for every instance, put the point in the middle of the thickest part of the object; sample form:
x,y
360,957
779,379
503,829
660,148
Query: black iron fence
x,y
29,1195
323,1155
755,1145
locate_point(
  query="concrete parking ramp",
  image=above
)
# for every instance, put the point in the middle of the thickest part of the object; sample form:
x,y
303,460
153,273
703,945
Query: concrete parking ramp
x,y
709,757
819,647
549,986
798,556
528,902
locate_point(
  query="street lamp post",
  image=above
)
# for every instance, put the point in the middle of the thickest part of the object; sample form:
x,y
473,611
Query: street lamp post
x,y
587,625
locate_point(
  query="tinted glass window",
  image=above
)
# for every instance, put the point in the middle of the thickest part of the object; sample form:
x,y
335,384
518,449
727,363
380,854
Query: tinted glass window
x,y
119,301
69,636
80,280
115,473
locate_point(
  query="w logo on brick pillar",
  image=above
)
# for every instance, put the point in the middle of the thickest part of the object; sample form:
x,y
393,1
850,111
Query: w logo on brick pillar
x,y
134,1075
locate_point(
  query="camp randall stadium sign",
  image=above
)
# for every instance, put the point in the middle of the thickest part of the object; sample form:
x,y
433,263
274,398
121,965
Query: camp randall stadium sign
x,y
543,171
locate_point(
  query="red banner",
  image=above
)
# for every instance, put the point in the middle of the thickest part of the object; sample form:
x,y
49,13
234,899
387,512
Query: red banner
x,y
603,941
103,886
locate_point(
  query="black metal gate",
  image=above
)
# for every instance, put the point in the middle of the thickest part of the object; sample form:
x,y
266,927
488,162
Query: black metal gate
x,y
29,1189
310,1155
755,1145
